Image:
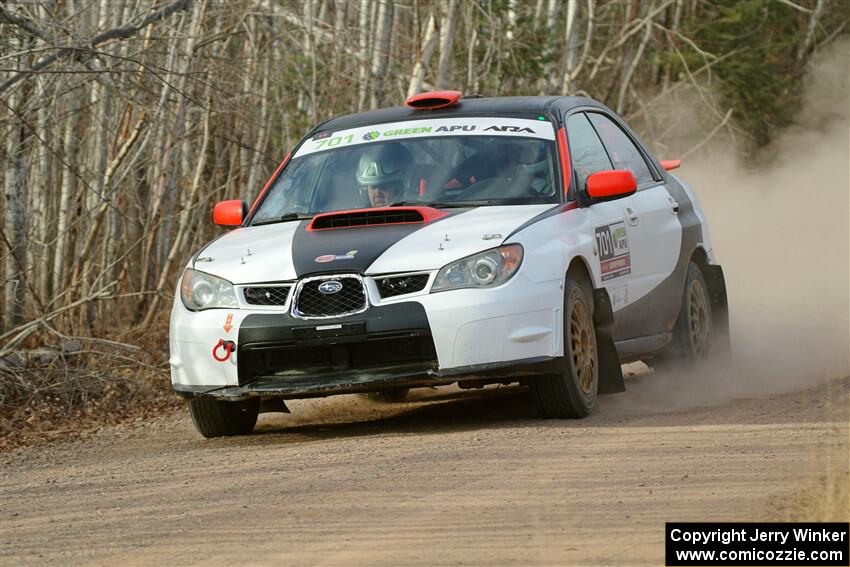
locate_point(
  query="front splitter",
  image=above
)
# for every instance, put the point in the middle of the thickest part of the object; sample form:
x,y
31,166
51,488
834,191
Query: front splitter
x,y
411,376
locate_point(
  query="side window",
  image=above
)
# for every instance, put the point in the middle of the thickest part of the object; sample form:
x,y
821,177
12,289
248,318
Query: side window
x,y
620,148
587,153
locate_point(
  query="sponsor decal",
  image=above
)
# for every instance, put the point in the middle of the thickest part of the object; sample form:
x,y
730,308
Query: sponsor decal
x,y
412,129
456,127
407,131
228,323
509,129
614,257
331,257
330,287
333,142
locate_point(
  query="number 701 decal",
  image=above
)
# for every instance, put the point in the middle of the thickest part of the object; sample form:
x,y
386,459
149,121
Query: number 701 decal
x,y
333,142
613,244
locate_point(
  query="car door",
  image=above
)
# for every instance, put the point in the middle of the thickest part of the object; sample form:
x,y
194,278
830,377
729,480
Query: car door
x,y
655,235
606,220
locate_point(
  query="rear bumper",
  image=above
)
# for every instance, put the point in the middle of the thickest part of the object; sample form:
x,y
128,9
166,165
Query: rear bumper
x,y
359,381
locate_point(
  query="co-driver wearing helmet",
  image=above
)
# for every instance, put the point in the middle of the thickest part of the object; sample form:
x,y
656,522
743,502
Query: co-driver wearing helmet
x,y
383,173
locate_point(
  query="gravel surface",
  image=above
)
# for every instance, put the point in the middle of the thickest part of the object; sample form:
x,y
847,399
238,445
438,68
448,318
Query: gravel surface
x,y
452,478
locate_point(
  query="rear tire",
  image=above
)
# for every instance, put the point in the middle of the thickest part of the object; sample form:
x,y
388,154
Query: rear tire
x,y
216,418
395,396
573,392
693,333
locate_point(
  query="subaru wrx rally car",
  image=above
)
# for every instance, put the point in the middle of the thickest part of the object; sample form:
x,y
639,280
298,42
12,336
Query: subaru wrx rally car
x,y
469,240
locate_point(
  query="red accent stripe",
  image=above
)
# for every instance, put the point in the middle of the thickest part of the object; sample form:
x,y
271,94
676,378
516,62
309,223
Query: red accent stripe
x,y
564,153
428,214
669,164
269,183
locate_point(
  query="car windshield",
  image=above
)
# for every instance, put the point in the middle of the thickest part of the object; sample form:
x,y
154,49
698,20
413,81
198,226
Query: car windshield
x,y
441,163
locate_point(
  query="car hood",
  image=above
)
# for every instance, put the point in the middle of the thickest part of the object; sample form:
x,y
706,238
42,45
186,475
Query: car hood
x,y
288,250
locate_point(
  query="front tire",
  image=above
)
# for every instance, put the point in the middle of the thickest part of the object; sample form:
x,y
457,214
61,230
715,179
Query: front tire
x,y
216,418
573,392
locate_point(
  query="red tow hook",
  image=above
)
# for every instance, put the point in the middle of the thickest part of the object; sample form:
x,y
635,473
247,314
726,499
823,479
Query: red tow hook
x,y
229,347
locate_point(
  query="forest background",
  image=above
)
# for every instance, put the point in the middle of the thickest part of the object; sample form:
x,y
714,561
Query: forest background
x,y
124,121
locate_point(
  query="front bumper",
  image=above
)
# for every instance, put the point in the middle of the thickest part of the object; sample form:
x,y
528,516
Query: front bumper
x,y
421,340
359,382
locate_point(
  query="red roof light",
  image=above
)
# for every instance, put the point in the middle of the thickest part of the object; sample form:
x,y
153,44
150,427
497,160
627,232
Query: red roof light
x,y
433,100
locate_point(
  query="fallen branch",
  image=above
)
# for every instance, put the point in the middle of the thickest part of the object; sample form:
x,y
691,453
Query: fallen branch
x,y
105,342
23,331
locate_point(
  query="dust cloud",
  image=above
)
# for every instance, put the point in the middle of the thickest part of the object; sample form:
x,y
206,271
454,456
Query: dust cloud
x,y
779,227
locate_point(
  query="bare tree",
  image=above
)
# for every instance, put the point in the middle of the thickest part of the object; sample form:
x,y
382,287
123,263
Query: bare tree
x,y
429,43
125,121
448,25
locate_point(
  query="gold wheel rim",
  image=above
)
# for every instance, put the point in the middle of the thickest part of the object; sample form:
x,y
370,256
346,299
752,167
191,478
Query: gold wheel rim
x,y
700,319
582,347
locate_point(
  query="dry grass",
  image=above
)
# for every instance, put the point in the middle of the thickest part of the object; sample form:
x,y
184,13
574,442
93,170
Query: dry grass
x,y
47,394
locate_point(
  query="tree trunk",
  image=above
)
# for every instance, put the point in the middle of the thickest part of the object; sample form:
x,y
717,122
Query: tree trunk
x,y
429,43
69,168
447,36
567,83
364,81
810,32
184,219
570,45
550,80
627,76
14,280
381,52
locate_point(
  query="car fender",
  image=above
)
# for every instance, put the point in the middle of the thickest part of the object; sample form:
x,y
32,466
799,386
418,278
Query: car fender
x,y
698,211
553,242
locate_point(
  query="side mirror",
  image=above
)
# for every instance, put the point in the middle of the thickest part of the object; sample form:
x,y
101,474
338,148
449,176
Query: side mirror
x,y
612,184
230,214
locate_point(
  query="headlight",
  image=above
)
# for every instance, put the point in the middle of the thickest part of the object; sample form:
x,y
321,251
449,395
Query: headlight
x,y
485,269
200,291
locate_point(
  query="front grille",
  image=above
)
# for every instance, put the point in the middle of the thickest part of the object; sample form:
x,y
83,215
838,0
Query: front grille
x,y
366,218
270,295
396,351
399,285
310,302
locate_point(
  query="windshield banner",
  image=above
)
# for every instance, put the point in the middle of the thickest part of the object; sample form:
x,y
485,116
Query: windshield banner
x,y
516,127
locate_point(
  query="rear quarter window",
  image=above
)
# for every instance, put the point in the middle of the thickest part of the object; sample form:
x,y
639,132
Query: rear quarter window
x,y
624,154
587,153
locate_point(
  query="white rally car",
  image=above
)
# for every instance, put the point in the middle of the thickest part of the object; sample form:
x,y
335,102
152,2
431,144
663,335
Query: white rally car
x,y
470,240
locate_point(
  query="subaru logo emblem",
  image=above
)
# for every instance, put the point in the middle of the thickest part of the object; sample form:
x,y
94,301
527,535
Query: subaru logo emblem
x,y
330,287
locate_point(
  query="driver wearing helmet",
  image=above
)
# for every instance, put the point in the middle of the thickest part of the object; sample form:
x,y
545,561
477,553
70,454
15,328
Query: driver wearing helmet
x,y
533,168
383,173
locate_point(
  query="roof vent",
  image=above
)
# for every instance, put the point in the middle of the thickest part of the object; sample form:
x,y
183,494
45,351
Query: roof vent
x,y
433,100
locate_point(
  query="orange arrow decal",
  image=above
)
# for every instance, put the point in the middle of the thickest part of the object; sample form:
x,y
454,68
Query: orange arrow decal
x,y
228,324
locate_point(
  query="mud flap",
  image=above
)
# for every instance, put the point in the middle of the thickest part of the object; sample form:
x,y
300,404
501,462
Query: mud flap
x,y
716,283
273,405
610,372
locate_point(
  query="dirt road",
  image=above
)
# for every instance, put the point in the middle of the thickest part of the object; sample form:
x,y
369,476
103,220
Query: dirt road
x,y
455,478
